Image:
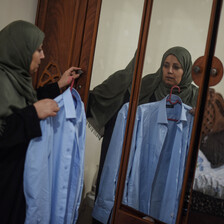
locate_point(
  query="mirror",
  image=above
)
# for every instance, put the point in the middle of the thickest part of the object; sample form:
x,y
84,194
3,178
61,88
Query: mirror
x,y
208,186
117,40
159,150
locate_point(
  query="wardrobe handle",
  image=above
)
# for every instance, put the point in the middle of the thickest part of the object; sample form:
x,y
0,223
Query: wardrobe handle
x,y
216,72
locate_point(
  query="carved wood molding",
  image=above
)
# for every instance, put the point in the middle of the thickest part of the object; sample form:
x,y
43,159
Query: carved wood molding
x,y
50,74
213,120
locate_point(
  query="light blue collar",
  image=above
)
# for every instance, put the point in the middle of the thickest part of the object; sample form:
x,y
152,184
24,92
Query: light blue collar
x,y
162,116
73,105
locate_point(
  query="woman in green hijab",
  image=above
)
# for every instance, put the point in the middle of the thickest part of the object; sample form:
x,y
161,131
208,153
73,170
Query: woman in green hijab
x,y
106,99
20,110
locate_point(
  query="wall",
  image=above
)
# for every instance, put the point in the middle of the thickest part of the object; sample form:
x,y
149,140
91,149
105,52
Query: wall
x,y
11,10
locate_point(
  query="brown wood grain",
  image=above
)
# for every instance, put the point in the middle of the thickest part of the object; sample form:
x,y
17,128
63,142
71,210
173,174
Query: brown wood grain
x,y
70,28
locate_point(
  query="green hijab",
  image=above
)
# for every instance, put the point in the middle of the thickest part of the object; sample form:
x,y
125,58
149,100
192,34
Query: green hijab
x,y
107,98
153,83
18,41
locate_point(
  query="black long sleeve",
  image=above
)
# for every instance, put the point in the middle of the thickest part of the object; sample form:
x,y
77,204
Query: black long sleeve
x,y
19,128
23,125
48,91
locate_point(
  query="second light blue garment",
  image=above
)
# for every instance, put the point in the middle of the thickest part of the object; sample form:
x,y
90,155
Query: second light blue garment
x,y
54,166
156,162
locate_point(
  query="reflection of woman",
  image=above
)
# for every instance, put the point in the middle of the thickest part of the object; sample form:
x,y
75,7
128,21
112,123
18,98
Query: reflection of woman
x,y
106,99
20,112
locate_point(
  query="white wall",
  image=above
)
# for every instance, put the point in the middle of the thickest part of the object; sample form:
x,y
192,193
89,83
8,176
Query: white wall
x,y
11,10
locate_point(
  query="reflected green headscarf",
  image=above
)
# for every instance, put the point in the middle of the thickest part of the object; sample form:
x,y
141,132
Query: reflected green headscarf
x,y
153,83
18,42
107,98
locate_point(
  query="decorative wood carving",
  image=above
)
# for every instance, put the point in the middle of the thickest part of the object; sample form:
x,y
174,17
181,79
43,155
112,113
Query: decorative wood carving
x,y
50,74
213,120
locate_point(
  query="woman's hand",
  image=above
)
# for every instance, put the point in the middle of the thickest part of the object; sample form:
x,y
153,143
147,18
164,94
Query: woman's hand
x,y
67,77
192,111
46,108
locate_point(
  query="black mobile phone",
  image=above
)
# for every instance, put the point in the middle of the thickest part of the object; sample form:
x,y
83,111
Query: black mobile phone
x,y
78,71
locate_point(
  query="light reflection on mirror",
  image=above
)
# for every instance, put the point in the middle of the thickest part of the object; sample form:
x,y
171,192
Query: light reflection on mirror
x,y
116,44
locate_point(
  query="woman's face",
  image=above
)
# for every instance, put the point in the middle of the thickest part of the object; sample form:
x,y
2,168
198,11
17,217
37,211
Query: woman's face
x,y
36,59
172,71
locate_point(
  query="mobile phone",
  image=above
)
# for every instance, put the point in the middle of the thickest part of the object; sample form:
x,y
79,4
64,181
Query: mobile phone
x,y
78,71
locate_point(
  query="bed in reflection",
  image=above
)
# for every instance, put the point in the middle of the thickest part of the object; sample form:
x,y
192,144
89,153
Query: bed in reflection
x,y
207,202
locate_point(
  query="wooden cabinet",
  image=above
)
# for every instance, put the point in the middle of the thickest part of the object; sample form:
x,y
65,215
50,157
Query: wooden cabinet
x,y
70,28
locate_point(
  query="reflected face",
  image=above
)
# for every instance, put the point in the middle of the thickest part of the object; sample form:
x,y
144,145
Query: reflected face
x,y
38,55
172,71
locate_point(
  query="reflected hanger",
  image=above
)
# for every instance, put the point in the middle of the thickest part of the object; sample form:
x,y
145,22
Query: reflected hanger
x,y
169,99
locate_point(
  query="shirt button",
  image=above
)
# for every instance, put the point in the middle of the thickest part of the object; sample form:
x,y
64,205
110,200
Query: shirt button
x,y
68,150
66,167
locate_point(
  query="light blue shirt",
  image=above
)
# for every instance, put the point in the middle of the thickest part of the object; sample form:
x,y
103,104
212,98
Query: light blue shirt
x,y
54,166
156,163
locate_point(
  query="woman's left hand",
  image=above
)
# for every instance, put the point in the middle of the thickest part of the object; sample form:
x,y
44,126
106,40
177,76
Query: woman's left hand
x,y
68,76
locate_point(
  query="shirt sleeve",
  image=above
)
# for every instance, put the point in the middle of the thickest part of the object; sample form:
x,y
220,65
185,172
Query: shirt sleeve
x,y
18,129
108,180
48,91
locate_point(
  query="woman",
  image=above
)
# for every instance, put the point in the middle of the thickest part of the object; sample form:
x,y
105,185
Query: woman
x,y
106,99
20,112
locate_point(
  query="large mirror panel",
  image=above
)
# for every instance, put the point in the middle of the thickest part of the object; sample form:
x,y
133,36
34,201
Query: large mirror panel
x,y
164,119
116,44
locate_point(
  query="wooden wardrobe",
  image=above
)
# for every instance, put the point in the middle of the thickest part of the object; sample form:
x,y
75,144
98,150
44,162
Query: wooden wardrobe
x,y
71,27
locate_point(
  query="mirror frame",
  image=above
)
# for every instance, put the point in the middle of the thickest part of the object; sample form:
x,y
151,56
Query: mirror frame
x,y
87,20
125,214
199,113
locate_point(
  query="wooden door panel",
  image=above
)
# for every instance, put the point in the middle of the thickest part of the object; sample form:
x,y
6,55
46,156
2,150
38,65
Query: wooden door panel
x,y
70,28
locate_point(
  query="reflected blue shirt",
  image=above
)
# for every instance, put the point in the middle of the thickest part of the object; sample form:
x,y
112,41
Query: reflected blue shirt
x,y
54,166
156,163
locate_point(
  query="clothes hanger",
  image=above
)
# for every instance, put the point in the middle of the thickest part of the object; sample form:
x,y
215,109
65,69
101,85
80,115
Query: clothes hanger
x,y
170,95
79,71
72,84
170,100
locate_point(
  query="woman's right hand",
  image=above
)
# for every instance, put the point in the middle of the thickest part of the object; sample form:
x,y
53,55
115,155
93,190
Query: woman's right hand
x,y
46,108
